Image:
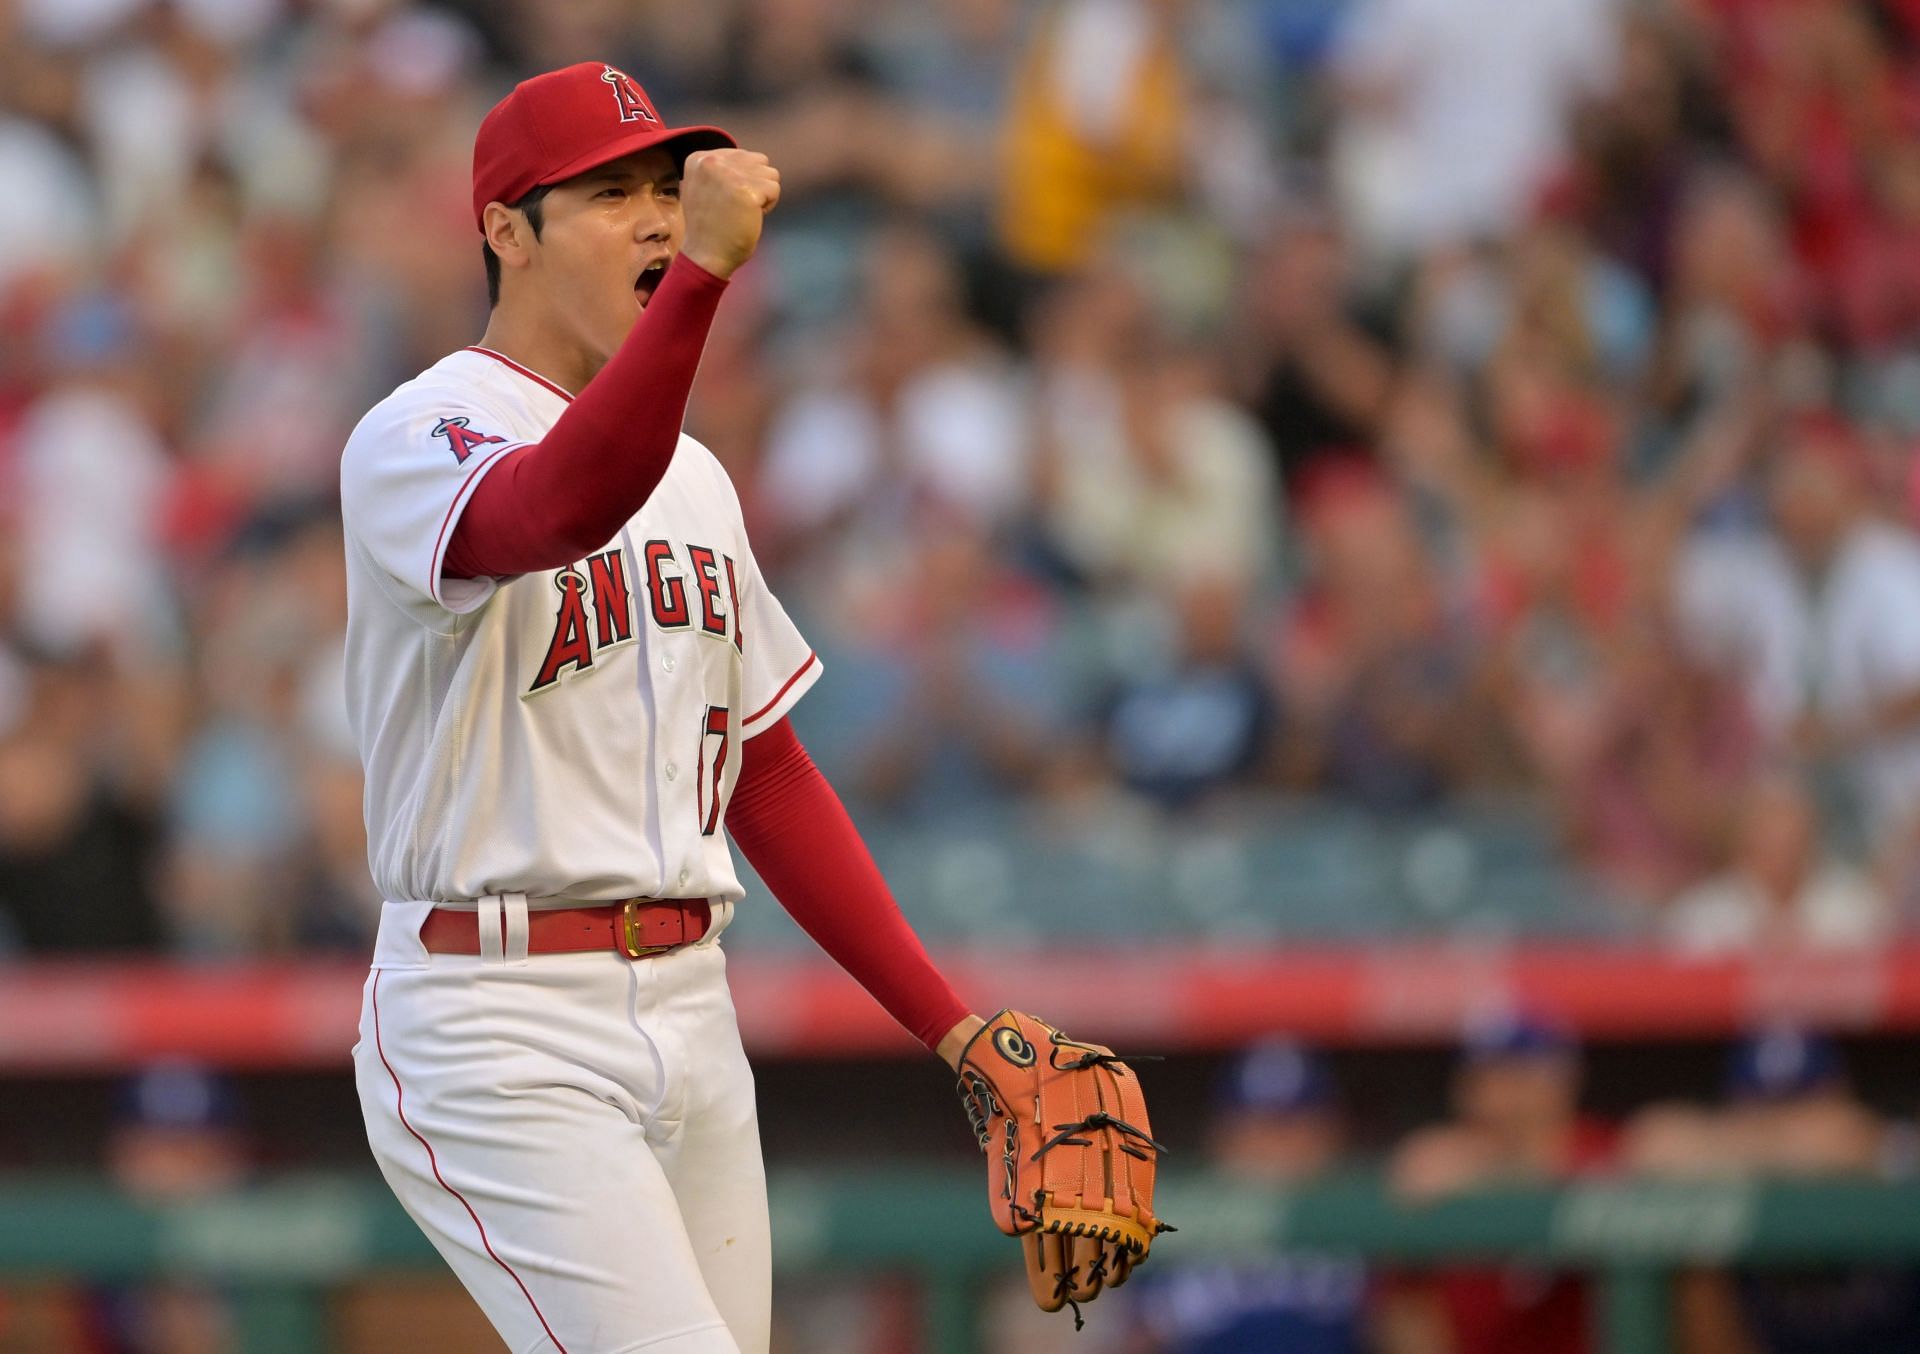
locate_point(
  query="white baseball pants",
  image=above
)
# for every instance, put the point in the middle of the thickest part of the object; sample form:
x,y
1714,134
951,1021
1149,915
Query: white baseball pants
x,y
577,1135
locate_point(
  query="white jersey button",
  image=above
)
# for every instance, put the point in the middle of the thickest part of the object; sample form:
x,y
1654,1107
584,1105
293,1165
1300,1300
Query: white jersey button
x,y
685,875
672,770
667,662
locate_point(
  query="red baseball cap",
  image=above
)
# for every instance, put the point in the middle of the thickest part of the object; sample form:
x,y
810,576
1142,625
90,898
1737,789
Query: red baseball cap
x,y
564,123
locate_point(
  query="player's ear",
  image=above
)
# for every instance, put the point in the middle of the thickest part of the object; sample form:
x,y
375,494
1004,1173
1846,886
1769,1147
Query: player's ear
x,y
508,233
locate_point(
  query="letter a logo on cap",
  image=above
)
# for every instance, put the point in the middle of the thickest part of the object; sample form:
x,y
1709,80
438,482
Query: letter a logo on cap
x,y
626,94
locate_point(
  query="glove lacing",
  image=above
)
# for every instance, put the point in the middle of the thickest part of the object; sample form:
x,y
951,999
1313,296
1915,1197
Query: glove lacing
x,y
1063,1133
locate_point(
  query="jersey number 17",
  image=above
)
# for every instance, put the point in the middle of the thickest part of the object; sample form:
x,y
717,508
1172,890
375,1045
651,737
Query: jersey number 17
x,y
707,796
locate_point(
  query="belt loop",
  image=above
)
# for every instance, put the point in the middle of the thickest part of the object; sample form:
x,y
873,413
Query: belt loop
x,y
487,918
718,920
515,905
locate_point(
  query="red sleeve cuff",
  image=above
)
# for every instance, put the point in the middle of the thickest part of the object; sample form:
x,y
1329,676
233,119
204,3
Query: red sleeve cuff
x,y
696,274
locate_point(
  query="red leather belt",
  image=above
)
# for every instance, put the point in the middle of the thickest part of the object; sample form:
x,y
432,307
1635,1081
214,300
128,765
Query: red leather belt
x,y
636,928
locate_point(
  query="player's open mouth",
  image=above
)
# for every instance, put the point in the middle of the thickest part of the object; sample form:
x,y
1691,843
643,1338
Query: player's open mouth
x,y
649,279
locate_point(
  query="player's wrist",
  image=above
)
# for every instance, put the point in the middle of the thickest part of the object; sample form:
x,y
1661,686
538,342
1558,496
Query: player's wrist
x,y
713,263
955,1041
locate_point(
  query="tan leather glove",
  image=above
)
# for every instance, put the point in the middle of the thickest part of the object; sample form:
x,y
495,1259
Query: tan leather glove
x,y
1070,1155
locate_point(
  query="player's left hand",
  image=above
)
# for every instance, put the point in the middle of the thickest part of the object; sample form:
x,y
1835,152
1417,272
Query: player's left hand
x,y
1053,1115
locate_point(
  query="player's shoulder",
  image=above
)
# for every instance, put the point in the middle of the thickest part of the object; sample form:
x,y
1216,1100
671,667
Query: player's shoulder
x,y
457,400
462,381
447,416
693,459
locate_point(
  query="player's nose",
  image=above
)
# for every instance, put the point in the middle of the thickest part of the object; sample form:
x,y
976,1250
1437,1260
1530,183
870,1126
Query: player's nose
x,y
653,222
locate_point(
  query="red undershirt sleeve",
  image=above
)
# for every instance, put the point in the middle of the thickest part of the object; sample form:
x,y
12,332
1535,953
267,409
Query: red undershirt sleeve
x,y
793,829
556,500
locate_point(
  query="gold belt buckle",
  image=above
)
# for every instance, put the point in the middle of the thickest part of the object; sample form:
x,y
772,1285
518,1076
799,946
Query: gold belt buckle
x,y
630,932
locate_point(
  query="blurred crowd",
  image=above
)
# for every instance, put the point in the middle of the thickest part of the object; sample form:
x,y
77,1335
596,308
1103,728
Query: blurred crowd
x,y
1164,402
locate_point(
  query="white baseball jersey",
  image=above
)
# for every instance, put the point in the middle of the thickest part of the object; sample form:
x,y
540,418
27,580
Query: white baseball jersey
x,y
569,734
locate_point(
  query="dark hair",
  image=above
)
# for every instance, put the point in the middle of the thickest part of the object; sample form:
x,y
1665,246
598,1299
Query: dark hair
x,y
530,204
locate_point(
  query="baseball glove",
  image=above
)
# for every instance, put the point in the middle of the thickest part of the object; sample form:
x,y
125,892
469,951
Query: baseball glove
x,y
1070,1155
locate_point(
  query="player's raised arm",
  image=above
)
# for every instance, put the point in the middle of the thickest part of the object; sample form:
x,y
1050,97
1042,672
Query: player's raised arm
x,y
607,284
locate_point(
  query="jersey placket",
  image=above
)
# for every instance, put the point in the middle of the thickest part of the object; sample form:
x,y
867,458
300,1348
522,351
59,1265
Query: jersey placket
x,y
656,659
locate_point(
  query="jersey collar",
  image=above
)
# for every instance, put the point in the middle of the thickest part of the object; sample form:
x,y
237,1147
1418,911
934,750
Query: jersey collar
x,y
527,372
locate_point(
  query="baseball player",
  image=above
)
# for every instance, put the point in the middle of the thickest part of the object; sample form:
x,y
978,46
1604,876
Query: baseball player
x,y
570,683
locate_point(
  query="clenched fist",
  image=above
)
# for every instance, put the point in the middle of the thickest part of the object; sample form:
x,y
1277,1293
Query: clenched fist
x,y
724,196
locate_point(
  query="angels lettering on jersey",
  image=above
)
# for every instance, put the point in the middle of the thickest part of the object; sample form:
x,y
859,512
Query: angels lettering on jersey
x,y
595,610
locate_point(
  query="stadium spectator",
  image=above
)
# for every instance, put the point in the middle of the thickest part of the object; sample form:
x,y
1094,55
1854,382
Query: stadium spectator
x,y
1147,473
1798,609
275,415
1736,604
1456,112
1548,294
1196,716
1788,1110
1781,889
332,905
50,224
1553,578
273,610
177,1138
1373,668
1648,805
1312,358
365,224
1278,1124
1094,126
1736,300
75,833
1863,570
1517,1120
1876,282
93,476
1815,92
793,77
955,684
925,415
1637,143
949,64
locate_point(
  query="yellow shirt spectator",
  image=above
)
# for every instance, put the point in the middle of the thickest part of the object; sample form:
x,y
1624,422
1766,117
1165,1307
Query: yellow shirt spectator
x,y
1095,123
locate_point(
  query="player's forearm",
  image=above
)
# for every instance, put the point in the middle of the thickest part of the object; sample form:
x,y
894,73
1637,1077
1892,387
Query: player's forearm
x,y
794,831
563,497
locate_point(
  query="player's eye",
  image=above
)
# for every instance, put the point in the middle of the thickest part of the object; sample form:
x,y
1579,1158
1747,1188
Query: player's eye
x,y
612,194
669,190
